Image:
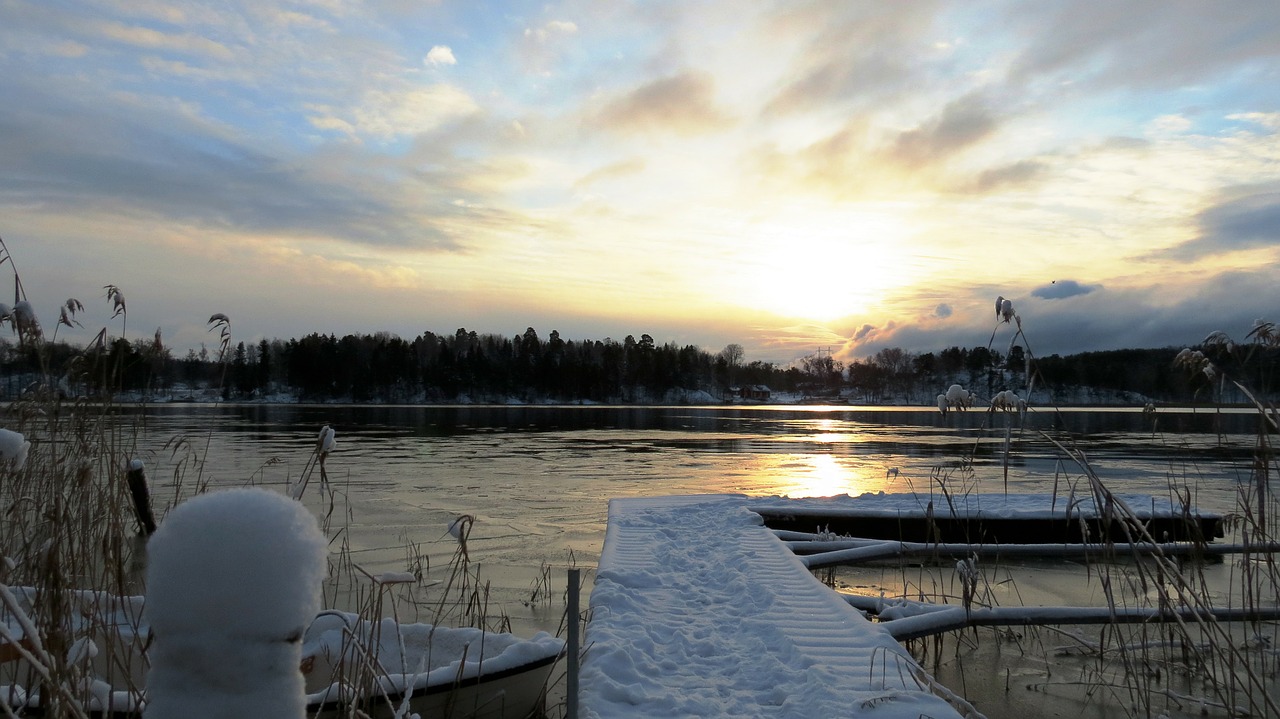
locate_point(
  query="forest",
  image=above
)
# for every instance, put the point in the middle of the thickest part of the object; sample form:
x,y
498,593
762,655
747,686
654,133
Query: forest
x,y
468,367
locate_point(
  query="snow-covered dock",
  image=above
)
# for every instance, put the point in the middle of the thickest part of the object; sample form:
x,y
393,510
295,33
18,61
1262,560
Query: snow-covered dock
x,y
988,519
699,610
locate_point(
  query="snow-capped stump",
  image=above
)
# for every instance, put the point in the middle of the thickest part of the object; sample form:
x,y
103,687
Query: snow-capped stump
x,y
233,580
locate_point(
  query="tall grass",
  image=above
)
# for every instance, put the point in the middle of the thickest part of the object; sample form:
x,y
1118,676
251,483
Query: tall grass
x,y
1190,665
68,531
72,546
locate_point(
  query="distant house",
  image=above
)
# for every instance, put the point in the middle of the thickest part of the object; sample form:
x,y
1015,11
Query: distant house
x,y
757,392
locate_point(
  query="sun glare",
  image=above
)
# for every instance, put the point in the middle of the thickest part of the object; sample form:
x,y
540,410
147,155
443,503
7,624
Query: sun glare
x,y
825,268
824,476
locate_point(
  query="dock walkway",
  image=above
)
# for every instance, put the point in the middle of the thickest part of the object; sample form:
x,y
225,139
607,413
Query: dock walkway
x,y
699,610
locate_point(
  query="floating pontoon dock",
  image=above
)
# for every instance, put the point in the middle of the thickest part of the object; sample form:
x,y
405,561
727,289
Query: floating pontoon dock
x,y
988,519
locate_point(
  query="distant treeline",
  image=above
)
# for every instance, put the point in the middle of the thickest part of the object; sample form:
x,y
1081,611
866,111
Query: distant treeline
x,y
383,367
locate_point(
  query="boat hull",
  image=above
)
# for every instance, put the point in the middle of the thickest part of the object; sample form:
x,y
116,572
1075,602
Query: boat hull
x,y
516,693
347,661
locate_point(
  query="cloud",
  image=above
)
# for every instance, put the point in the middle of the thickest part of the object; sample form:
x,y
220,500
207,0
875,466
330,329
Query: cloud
x,y
611,171
298,19
855,160
1015,174
842,164
215,72
440,55
1248,221
389,114
1062,289
155,40
1122,143
1169,312
862,332
551,30
682,104
961,123
1147,43
1267,120
827,81
69,48
851,54
942,311
90,154
540,49
1166,125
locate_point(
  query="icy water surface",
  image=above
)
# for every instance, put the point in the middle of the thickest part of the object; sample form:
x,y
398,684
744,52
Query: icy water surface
x,y
538,478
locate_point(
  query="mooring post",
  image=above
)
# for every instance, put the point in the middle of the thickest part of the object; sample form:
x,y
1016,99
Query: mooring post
x,y
571,680
137,478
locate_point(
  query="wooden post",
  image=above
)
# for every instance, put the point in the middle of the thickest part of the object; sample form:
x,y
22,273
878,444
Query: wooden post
x,y
571,680
137,477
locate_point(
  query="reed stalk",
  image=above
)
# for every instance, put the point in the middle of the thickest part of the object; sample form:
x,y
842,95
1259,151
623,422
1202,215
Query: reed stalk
x,y
73,533
1210,654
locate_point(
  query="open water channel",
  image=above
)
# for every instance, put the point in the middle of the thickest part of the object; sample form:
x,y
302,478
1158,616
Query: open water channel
x,y
538,478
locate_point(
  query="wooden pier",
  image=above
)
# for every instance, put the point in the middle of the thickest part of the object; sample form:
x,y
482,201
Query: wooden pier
x,y
700,610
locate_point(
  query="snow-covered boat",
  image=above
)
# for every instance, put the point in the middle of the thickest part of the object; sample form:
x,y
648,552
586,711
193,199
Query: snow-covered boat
x,y
346,661
440,672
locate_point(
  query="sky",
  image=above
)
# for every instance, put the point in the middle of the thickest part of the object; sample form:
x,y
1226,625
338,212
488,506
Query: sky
x,y
789,176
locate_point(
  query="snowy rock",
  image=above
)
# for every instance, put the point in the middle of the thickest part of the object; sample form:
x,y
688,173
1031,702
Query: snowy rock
x,y
233,580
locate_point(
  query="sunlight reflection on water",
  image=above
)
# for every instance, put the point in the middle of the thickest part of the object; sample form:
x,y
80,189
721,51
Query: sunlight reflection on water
x,y
539,478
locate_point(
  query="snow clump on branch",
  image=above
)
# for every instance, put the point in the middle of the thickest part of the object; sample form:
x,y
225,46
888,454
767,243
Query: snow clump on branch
x,y
956,397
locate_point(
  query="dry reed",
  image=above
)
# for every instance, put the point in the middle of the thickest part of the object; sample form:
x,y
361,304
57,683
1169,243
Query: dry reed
x,y
72,546
1190,664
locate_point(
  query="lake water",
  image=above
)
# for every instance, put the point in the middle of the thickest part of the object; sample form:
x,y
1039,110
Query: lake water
x,y
538,478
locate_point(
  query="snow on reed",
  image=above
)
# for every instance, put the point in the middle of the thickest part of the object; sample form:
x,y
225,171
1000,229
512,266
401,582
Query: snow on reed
x,y
956,397
233,581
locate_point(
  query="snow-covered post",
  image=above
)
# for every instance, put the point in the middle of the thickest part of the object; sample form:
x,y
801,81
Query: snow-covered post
x,y
571,678
233,581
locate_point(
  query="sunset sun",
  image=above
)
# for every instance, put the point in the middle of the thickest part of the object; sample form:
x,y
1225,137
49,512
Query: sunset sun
x,y
825,268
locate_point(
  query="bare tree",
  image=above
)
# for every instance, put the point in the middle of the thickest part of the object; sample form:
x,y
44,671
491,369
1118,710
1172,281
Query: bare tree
x,y
732,354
